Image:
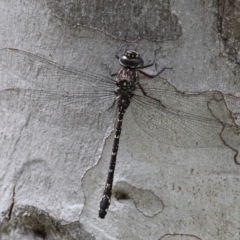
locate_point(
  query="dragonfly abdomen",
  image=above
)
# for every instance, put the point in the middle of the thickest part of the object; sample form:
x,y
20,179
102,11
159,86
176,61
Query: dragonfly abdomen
x,y
123,104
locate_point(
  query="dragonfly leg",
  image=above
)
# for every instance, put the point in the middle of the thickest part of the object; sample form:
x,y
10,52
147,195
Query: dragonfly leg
x,y
118,50
146,95
109,70
154,75
153,62
112,104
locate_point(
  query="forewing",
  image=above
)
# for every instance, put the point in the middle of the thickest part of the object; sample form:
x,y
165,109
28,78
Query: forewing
x,y
61,95
46,74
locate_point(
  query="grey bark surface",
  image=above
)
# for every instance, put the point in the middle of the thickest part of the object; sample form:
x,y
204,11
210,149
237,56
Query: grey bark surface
x,y
52,178
133,20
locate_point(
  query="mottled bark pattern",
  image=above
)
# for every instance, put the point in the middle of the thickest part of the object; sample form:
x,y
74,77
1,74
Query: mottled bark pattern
x,y
134,19
229,27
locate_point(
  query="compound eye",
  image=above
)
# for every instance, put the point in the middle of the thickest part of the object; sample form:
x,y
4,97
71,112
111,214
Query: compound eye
x,y
131,59
130,54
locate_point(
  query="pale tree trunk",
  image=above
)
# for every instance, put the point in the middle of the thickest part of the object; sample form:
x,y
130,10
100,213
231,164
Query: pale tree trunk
x,y
53,176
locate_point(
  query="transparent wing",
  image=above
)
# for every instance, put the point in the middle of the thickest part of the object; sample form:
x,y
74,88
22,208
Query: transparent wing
x,y
50,75
67,110
186,120
62,96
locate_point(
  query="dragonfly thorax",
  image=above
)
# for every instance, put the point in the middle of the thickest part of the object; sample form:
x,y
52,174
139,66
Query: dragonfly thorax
x,y
125,88
130,75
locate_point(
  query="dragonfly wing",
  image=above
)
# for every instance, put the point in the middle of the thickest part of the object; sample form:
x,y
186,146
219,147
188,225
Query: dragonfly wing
x,y
61,95
186,120
55,108
45,74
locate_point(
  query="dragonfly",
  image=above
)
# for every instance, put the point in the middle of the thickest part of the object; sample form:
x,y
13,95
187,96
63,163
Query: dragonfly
x,y
62,95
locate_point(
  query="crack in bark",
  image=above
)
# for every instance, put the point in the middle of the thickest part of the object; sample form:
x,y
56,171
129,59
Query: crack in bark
x,y
12,205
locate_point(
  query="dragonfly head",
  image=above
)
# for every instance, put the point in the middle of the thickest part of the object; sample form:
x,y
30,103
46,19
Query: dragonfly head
x,y
131,59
